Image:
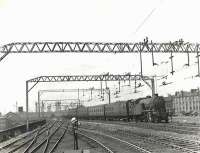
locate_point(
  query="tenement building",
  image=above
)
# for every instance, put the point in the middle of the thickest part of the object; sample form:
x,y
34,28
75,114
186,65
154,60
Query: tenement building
x,y
186,102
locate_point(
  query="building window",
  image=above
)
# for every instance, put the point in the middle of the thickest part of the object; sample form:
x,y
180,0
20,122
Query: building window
x,y
186,106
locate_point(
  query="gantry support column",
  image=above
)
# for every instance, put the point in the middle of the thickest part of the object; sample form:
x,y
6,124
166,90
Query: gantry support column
x,y
153,87
39,104
27,114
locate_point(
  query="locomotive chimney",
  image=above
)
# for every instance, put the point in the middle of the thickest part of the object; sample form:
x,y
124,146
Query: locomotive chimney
x,y
156,95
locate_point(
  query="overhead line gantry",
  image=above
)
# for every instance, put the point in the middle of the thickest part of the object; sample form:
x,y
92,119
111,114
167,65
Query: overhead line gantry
x,y
99,47
107,47
107,77
110,77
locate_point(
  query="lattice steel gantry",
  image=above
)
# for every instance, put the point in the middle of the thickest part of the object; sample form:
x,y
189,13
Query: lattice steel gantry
x,y
99,47
108,77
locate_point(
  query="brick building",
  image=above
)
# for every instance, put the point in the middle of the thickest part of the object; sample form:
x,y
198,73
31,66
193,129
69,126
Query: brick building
x,y
186,102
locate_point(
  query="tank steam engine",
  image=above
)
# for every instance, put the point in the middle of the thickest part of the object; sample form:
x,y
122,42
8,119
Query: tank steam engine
x,y
148,109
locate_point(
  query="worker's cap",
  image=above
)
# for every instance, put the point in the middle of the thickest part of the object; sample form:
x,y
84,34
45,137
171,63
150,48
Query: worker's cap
x,y
73,120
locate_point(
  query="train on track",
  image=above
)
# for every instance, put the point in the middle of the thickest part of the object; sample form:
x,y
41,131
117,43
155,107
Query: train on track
x,y
148,109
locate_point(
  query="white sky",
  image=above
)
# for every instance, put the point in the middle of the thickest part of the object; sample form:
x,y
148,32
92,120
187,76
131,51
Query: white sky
x,y
92,20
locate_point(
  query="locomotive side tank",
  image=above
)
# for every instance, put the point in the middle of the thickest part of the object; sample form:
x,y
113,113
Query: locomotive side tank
x,y
138,110
150,109
158,109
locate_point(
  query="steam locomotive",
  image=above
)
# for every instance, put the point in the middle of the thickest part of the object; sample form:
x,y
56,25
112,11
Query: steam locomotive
x,y
148,109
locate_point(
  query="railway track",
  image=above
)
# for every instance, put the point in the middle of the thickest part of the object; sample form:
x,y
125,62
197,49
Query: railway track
x,y
171,127
19,144
47,138
107,149
129,146
6,144
182,144
21,140
182,129
43,143
177,143
93,140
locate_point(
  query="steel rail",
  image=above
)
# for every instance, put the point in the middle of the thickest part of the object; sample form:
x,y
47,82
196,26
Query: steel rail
x,y
58,141
163,127
15,141
120,140
35,138
45,140
174,142
49,137
39,132
98,142
32,142
20,146
21,138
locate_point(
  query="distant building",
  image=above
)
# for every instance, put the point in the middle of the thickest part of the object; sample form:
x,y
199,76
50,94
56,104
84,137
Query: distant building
x,y
20,109
186,102
58,106
3,123
13,118
9,120
49,108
